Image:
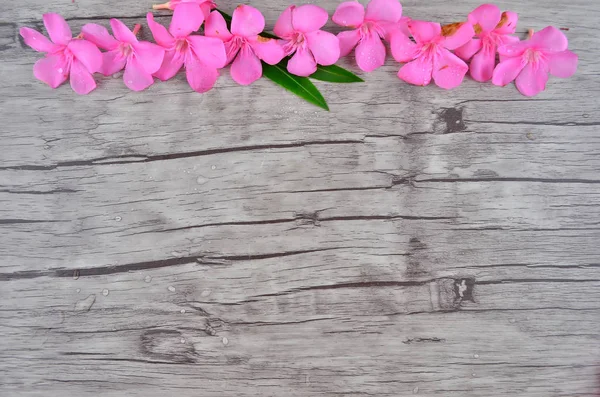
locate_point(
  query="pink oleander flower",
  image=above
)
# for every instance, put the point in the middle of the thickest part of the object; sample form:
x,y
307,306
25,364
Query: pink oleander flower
x,y
492,29
139,58
381,19
65,55
206,6
430,56
530,61
201,55
299,28
244,46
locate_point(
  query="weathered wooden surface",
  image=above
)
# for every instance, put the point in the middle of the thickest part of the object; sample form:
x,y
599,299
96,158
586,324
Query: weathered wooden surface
x,y
244,243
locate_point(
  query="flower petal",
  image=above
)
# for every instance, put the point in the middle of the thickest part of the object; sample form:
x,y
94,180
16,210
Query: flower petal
x,y
216,26
99,35
87,53
508,23
483,63
112,62
513,49
486,16
172,63
58,29
532,79
467,51
417,72
136,77
52,70
403,49
424,32
460,37
324,46
384,10
507,70
187,18
302,63
210,51
159,32
247,21
370,52
348,40
269,50
200,76
82,81
449,70
231,50
122,32
36,40
349,13
149,55
283,27
563,64
550,39
308,18
246,67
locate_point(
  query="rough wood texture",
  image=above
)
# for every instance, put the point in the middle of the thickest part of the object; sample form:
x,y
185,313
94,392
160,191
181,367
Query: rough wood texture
x,y
244,243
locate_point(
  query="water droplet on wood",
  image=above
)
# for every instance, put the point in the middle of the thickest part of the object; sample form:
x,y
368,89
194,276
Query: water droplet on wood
x,y
118,218
85,305
225,341
75,274
205,293
105,292
416,390
182,311
171,288
148,279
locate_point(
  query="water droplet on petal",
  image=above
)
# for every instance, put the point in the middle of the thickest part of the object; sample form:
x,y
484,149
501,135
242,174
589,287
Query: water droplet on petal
x,y
171,288
105,292
60,70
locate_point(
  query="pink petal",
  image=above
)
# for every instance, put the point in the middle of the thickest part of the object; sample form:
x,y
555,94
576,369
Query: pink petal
x,y
216,26
246,67
172,63
348,40
507,70
269,50
509,23
87,53
283,27
206,7
210,51
513,49
302,63
247,22
563,64
350,14
424,32
403,49
187,18
159,32
231,50
122,32
58,29
308,18
550,39
417,72
52,70
149,55
532,79
384,10
461,37
99,35
467,51
483,63
486,16
370,52
324,46
136,77
82,81
112,62
506,39
200,76
448,70
36,40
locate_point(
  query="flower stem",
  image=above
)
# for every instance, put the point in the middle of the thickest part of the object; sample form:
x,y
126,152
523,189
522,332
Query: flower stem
x,y
164,6
529,34
136,29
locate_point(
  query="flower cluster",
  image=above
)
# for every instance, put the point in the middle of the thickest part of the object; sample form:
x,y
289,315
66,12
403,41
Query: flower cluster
x,y
428,51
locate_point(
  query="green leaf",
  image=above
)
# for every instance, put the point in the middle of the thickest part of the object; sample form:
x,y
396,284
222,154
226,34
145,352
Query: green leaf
x,y
335,74
300,86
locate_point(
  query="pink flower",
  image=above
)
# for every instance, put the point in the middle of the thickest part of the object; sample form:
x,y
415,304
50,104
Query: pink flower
x,y
429,56
201,55
530,61
381,19
139,58
299,29
492,29
205,5
64,55
243,44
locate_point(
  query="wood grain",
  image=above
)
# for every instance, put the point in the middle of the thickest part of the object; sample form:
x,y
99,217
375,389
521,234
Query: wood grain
x,y
412,241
